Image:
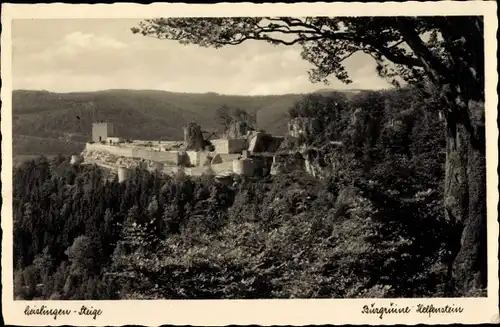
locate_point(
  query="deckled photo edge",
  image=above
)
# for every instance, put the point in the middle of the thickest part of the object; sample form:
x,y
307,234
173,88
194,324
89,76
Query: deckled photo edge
x,y
261,312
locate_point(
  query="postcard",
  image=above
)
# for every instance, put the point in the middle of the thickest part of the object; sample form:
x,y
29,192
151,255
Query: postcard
x,y
249,164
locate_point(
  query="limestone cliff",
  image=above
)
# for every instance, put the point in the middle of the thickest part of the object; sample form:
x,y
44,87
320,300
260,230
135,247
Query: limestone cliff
x,y
319,161
193,137
237,130
111,161
304,127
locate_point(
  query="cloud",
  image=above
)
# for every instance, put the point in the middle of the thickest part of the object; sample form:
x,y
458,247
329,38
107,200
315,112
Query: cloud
x,y
77,52
87,40
79,43
91,55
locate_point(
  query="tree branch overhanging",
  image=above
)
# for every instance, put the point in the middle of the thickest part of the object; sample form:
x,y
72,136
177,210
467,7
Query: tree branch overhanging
x,y
432,64
327,41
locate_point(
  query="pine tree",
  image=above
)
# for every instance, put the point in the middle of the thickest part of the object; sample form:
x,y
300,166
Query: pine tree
x,y
172,218
133,235
19,292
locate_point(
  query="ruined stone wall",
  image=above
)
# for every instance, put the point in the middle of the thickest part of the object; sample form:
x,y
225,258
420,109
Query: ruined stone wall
x,y
229,157
153,142
102,157
225,168
134,152
114,139
160,156
165,156
264,142
225,146
197,158
114,150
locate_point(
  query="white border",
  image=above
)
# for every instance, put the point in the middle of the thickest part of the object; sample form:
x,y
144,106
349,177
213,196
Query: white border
x,y
260,312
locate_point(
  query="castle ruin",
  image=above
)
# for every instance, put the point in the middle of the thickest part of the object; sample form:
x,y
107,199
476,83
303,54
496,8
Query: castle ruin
x,y
254,154
101,131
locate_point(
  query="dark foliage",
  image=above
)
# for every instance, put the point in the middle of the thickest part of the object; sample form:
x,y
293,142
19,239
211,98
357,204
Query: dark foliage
x,y
373,227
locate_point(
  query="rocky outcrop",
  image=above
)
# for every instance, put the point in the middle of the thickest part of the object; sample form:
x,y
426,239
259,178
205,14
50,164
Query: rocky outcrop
x,y
107,159
313,168
289,144
304,127
323,161
317,160
193,137
357,116
287,162
301,130
237,130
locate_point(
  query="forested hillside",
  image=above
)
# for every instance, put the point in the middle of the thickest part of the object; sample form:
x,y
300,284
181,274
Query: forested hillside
x,y
373,227
60,123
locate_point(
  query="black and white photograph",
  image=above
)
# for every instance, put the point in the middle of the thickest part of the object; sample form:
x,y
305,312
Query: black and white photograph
x,y
268,156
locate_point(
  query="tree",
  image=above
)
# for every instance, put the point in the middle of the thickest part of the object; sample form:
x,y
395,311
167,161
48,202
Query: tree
x,y
445,52
223,117
330,110
30,280
19,291
82,256
227,116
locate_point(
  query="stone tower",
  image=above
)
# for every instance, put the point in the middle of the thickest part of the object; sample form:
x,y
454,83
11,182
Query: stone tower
x,y
193,137
101,131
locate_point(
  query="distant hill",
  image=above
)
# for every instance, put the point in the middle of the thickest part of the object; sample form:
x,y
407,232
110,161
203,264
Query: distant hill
x,y
60,123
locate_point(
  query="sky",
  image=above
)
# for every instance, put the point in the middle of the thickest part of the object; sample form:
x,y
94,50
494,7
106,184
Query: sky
x,y
97,54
